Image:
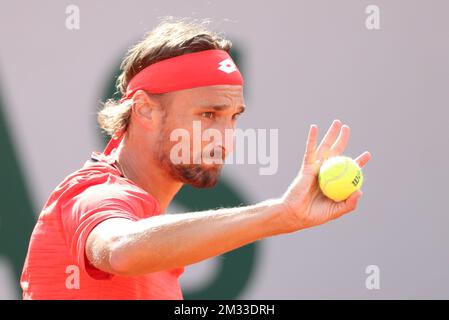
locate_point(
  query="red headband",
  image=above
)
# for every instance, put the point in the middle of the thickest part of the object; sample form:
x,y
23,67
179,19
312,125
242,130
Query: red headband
x,y
198,69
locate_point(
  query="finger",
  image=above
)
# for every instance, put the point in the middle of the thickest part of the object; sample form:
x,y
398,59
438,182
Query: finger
x,y
328,140
363,159
309,156
342,141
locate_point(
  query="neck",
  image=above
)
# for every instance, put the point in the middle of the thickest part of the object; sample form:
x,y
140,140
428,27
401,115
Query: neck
x,y
138,166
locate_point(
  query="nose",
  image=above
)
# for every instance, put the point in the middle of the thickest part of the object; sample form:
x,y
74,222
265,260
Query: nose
x,y
227,130
219,151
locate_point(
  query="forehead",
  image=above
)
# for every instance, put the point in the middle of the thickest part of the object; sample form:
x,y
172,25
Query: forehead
x,y
218,94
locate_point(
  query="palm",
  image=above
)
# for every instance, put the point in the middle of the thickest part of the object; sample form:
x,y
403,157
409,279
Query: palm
x,y
309,205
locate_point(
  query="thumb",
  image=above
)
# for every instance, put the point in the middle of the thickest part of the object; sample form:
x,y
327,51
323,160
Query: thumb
x,y
351,202
347,205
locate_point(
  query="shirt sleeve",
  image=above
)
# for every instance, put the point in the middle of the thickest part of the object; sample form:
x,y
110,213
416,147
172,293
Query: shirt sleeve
x,y
82,212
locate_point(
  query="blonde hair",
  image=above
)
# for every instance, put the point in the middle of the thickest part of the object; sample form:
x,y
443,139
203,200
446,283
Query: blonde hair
x,y
171,38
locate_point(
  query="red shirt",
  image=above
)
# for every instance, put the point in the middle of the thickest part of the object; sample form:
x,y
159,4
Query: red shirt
x,y
56,266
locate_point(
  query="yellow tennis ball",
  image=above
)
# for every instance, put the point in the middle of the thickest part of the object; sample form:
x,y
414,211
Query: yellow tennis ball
x,y
339,177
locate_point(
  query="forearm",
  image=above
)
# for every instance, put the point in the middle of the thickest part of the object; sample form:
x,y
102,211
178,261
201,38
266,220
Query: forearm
x,y
168,241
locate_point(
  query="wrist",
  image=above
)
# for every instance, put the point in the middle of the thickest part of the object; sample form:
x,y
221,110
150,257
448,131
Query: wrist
x,y
277,218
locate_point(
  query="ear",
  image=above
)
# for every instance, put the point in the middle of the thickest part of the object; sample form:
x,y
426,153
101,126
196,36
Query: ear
x,y
144,109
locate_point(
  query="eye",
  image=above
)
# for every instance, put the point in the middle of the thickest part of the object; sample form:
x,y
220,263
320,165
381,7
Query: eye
x,y
235,116
208,115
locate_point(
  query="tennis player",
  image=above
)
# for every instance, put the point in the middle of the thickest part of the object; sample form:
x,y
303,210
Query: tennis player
x,y
103,232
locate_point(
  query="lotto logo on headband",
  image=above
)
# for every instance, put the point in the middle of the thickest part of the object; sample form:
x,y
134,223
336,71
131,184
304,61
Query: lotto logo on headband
x,y
227,66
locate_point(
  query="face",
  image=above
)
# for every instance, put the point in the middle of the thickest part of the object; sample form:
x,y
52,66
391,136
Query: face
x,y
206,117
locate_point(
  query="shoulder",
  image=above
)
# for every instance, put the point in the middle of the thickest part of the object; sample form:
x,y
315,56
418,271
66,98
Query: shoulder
x,y
94,188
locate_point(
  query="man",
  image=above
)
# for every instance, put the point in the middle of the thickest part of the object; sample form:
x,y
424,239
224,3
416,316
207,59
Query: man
x,y
103,234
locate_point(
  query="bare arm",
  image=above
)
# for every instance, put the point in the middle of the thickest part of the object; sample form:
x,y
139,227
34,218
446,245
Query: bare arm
x,y
120,246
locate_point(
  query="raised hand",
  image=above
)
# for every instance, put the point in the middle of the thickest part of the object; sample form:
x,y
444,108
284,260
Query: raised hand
x,y
305,205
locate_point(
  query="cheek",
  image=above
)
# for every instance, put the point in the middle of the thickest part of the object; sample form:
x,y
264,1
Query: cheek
x,y
183,122
177,136
187,131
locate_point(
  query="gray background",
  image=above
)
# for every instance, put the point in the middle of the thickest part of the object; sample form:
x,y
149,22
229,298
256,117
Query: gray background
x,y
305,62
